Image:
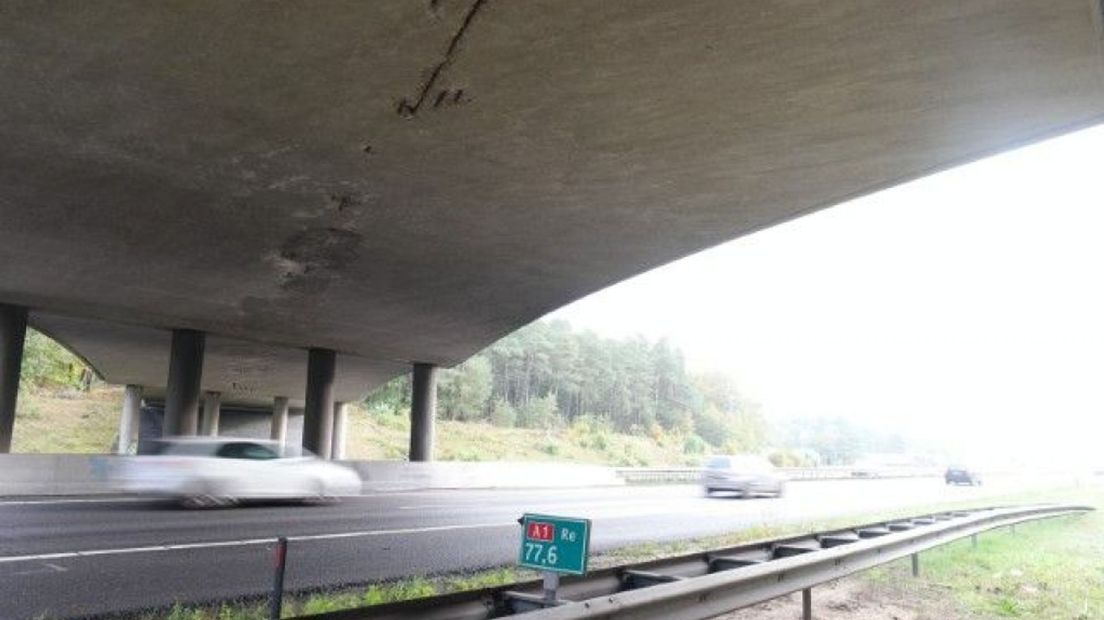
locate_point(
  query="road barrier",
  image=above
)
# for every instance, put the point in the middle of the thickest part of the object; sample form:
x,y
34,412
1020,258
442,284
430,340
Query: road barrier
x,y
654,475
704,585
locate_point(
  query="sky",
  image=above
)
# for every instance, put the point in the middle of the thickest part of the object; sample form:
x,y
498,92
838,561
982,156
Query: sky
x,y
965,307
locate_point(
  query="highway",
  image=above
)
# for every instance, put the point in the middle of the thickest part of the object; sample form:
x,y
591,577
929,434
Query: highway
x,y
75,557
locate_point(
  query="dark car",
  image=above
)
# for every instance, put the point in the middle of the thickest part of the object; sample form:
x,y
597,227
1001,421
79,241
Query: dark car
x,y
961,475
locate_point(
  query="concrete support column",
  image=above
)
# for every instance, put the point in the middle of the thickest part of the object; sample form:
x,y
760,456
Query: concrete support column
x,y
279,420
318,409
128,419
182,389
212,407
340,423
423,411
13,333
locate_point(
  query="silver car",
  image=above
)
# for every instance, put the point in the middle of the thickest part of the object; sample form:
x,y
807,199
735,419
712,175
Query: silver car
x,y
743,474
213,472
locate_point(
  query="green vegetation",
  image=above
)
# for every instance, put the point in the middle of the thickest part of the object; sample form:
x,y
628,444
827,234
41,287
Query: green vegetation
x,y
48,365
1047,569
573,389
548,376
377,435
66,421
344,598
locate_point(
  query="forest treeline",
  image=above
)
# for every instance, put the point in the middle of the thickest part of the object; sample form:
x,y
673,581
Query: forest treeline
x,y
550,375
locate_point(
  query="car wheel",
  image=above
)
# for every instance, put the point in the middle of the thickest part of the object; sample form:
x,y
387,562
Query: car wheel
x,y
211,497
206,501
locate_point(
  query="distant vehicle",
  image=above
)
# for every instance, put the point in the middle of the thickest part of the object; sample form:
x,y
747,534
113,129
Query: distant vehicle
x,y
957,474
743,474
214,472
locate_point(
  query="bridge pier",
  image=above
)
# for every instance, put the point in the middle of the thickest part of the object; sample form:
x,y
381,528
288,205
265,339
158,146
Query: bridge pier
x,y
212,407
340,424
423,411
13,334
319,407
128,418
182,389
279,420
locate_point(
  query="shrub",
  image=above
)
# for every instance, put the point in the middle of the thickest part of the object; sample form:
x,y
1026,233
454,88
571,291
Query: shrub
x,y
694,445
538,413
503,413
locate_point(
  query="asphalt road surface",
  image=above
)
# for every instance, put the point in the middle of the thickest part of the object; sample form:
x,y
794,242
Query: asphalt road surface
x,y
62,558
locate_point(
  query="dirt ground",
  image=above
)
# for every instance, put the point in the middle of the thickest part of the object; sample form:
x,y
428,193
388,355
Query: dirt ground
x,y
857,598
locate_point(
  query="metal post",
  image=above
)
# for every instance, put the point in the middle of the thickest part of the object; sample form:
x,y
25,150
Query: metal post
x,y
551,585
807,604
279,420
916,565
276,603
128,419
185,375
973,541
318,409
13,334
212,405
423,410
1013,529
341,418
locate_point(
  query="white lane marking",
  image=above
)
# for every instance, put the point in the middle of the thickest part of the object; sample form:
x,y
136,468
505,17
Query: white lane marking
x,y
49,569
247,542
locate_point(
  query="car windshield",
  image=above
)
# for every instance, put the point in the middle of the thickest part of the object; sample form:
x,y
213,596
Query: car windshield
x,y
183,448
718,462
247,450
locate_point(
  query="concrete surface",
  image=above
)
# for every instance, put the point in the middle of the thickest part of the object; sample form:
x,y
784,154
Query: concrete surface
x,y
85,556
408,180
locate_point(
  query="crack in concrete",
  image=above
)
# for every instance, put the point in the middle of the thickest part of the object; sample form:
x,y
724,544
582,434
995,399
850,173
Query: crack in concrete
x,y
408,109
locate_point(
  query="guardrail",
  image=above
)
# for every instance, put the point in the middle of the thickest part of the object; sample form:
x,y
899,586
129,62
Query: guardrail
x,y
645,475
704,585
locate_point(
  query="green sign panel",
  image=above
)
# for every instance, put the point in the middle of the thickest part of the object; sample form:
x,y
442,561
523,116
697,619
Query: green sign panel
x,y
555,544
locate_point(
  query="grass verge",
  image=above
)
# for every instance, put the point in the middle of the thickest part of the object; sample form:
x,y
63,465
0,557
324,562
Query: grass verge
x,y
1046,569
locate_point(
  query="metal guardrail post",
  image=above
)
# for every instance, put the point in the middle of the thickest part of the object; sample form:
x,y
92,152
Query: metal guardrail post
x,y
807,604
973,541
276,603
916,565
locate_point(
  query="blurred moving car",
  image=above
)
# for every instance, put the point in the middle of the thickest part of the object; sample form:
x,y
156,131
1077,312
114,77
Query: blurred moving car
x,y
743,474
212,472
957,474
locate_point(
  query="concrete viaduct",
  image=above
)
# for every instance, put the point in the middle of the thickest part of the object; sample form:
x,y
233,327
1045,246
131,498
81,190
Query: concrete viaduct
x,y
284,204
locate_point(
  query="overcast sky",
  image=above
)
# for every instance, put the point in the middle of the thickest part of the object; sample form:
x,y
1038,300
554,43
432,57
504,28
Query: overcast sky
x,y
971,300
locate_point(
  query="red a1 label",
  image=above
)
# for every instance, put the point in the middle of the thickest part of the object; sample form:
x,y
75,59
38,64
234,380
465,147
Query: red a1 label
x,y
538,530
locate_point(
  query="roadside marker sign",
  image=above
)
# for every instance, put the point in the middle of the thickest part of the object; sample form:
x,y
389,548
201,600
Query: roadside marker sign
x,y
554,544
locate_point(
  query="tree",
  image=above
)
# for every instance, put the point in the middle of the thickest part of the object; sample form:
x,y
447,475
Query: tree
x,y
462,392
503,413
